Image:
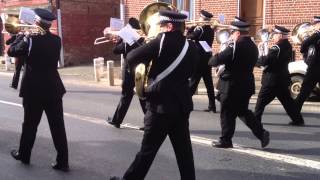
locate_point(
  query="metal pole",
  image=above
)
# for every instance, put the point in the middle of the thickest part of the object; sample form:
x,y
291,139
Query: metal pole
x,y
61,63
122,17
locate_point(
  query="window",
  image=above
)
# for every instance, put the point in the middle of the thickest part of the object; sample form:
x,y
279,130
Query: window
x,y
186,5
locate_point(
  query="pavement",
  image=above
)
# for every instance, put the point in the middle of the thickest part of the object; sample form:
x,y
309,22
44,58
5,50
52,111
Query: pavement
x,y
84,74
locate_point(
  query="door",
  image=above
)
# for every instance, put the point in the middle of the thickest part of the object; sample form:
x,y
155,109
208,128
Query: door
x,y
252,11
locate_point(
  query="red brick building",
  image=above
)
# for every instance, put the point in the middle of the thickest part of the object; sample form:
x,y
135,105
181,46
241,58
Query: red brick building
x,y
260,13
81,23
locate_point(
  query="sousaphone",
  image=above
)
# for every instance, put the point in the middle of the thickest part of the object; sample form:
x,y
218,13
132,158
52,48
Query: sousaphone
x,y
149,20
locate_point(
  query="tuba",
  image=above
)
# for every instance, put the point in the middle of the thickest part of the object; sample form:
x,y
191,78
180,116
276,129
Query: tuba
x,y
301,32
149,18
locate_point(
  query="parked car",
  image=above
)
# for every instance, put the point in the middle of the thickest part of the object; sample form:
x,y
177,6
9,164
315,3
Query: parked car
x,y
297,70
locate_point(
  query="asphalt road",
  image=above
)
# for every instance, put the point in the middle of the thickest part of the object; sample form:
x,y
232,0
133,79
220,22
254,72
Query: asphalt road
x,y
98,150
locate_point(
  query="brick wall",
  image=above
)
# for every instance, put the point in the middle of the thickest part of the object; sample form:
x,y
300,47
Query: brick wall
x,y
289,13
82,23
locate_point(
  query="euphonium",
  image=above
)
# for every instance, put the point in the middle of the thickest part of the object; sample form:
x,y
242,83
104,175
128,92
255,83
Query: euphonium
x,y
264,35
149,18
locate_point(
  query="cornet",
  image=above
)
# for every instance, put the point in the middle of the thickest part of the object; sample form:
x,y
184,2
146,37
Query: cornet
x,y
13,26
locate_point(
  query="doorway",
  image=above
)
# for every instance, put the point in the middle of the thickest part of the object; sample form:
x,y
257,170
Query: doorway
x,y
252,11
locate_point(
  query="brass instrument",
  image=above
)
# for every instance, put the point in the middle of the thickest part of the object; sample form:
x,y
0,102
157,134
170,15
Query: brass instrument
x,y
213,23
264,35
149,18
109,35
301,32
13,26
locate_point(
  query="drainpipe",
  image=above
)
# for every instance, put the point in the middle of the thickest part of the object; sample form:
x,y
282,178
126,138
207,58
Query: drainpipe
x,y
61,62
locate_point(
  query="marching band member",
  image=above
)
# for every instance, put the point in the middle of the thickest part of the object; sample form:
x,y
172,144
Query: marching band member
x,y
275,78
128,79
311,49
203,33
41,90
237,85
169,100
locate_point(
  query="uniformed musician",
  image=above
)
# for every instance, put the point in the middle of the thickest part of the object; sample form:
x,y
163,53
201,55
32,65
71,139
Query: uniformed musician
x,y
41,90
169,100
128,79
311,50
237,85
206,34
275,78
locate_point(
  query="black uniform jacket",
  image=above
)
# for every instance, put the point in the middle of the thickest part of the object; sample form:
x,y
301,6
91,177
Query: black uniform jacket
x,y
172,94
239,60
311,49
123,48
275,64
40,78
202,33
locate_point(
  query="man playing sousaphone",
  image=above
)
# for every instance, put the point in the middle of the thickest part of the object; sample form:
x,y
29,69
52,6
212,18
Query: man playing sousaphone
x,y
168,97
127,86
310,47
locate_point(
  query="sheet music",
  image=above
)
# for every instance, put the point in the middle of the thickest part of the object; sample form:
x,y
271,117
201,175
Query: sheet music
x,y
116,24
205,46
129,35
27,15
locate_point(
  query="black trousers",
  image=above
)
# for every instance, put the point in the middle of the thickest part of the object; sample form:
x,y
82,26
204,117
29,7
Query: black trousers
x,y
267,94
126,98
206,74
233,106
310,80
16,75
157,128
33,109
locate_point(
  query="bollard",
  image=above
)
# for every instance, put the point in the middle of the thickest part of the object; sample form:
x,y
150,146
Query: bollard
x,y
8,63
98,67
110,71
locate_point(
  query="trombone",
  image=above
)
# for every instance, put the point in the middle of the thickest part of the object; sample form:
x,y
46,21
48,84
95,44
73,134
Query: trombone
x,y
109,35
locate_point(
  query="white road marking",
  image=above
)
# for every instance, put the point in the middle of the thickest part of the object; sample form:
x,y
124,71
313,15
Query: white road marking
x,y
207,142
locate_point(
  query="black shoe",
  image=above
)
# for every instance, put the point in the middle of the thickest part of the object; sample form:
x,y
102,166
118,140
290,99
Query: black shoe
x,y
15,154
265,139
116,178
141,128
213,109
109,120
60,167
221,144
296,123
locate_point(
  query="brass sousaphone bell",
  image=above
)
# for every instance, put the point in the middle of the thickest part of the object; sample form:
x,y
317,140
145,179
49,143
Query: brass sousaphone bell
x,y
149,18
302,31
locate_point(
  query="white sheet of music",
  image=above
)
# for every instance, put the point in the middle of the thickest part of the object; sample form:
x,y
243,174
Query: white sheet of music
x,y
27,15
205,46
129,35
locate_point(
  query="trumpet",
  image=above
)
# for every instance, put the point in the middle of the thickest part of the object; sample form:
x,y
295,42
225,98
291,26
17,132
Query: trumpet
x,y
13,26
213,23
